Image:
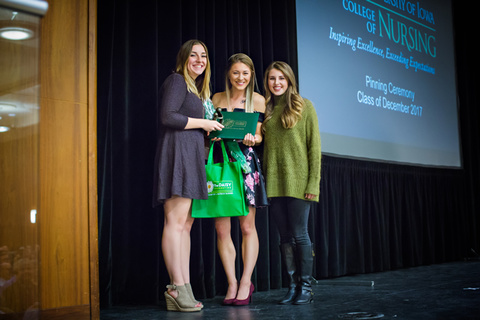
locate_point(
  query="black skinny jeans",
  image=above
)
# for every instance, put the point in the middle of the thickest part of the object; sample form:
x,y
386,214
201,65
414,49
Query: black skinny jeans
x,y
291,218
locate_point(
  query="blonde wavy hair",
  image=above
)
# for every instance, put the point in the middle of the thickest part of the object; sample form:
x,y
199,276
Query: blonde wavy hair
x,y
200,86
294,102
242,58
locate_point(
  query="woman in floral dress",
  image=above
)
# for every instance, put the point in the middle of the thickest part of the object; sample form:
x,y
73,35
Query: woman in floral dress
x,y
239,96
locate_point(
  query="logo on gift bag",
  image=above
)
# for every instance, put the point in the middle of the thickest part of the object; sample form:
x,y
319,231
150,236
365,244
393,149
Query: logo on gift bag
x,y
218,188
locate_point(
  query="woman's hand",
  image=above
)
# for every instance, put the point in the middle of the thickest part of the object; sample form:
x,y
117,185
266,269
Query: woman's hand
x,y
214,128
249,140
205,124
310,196
212,125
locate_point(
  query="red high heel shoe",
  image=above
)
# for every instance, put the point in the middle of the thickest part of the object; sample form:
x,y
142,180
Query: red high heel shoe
x,y
247,301
228,302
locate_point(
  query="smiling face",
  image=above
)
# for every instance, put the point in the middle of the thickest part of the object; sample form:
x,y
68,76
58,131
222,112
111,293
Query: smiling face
x,y
277,82
197,61
239,76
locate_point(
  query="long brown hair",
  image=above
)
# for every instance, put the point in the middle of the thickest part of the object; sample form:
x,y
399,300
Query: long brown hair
x,y
294,102
201,85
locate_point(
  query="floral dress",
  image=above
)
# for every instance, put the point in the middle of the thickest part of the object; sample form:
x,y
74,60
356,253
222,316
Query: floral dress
x,y
254,182
255,192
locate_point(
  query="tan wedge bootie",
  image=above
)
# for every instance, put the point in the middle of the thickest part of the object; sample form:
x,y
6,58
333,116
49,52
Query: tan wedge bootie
x,y
190,292
183,302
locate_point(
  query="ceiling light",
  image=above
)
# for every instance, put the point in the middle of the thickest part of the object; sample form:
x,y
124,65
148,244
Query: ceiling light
x,y
6,107
14,33
4,128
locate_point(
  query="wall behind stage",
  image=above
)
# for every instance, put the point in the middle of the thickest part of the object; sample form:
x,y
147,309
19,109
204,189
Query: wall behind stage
x,y
371,216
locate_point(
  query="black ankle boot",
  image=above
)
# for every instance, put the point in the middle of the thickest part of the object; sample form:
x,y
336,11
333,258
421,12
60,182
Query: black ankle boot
x,y
287,251
305,266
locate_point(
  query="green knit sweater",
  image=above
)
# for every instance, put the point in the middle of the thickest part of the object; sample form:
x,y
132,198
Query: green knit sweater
x,y
292,157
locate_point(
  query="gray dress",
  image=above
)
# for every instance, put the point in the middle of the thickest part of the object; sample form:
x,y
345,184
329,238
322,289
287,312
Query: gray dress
x,y
180,158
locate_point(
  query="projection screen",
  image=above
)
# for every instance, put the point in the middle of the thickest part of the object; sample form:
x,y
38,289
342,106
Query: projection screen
x,y
381,74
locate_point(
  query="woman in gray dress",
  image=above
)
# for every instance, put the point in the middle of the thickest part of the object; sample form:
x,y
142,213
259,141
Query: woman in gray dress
x,y
180,165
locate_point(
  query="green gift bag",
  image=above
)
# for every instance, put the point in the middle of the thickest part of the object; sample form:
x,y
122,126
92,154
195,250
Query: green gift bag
x,y
226,194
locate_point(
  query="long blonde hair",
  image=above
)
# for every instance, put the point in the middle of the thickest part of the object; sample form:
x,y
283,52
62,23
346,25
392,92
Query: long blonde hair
x,y
200,86
294,102
242,58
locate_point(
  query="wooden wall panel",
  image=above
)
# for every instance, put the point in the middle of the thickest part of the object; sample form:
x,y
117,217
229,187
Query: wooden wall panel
x,y
92,161
63,218
66,165
64,51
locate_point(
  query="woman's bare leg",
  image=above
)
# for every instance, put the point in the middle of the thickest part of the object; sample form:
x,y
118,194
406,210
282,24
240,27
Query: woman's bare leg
x,y
176,240
226,250
249,252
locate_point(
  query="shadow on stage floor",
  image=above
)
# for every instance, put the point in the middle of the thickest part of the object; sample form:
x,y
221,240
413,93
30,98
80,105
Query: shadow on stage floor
x,y
442,291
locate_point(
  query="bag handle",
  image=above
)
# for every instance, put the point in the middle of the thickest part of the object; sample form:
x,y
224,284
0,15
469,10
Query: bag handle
x,y
224,152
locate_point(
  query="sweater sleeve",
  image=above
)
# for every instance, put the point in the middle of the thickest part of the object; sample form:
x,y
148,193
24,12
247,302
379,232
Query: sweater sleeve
x,y
314,150
174,92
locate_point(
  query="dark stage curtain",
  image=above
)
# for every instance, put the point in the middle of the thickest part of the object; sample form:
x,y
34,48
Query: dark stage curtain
x,y
371,216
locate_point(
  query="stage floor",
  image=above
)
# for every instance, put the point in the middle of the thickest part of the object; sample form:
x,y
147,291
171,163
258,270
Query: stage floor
x,y
442,291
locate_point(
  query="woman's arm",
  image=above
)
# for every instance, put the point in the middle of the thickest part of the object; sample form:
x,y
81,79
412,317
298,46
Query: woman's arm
x,y
259,106
205,124
174,93
314,151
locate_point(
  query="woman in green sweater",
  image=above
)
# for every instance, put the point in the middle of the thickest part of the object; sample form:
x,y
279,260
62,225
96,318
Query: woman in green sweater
x,y
292,159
